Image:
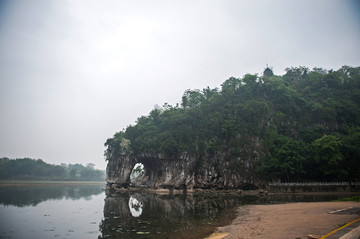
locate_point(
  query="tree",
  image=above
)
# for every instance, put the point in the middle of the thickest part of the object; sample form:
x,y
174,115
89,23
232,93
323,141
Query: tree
x,y
327,153
192,99
72,173
90,165
351,151
294,74
286,160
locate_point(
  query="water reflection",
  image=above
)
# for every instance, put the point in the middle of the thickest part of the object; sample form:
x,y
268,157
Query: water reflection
x,y
166,216
21,196
80,211
146,215
51,211
135,207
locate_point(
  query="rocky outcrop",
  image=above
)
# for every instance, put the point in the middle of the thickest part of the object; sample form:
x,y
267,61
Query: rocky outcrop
x,y
185,172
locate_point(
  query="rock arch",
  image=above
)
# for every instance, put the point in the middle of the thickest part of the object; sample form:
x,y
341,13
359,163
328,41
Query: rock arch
x,y
159,172
153,170
181,173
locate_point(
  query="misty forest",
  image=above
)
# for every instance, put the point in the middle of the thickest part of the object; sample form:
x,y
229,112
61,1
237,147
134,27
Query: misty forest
x,y
302,126
37,169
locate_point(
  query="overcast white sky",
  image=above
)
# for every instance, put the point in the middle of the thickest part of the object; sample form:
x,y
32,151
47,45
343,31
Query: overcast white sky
x,y
72,73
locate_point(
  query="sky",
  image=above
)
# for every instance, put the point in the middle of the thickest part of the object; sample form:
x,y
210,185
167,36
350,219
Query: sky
x,y
72,73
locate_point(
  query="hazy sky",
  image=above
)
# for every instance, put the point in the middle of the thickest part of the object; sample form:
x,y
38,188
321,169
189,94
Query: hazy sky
x,y
72,73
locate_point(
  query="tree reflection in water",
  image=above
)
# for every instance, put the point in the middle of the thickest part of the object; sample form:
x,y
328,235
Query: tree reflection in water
x,y
29,195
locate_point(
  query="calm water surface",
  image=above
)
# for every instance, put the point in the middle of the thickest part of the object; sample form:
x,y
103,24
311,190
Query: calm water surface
x,y
84,211
51,211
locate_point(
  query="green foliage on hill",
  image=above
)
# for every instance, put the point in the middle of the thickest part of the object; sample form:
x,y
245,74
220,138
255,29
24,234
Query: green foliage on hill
x,y
304,125
31,169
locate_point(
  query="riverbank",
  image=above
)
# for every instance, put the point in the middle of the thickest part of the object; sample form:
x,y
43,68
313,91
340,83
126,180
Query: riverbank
x,y
293,220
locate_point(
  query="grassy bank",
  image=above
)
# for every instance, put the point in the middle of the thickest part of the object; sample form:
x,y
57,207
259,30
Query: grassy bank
x,y
353,199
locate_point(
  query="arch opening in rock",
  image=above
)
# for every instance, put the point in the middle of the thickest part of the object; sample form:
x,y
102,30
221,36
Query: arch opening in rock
x,y
137,175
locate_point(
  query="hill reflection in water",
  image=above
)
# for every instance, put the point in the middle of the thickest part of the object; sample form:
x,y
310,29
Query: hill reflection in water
x,y
148,215
80,211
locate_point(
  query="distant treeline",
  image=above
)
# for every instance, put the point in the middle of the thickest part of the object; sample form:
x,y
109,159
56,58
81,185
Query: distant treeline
x,y
37,169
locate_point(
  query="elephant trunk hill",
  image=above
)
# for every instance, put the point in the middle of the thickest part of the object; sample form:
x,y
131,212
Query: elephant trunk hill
x,y
302,126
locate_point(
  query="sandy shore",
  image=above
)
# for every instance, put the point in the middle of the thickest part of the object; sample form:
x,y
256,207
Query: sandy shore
x,y
293,221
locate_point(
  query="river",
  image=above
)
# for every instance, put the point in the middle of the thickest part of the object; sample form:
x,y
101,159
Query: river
x,y
85,211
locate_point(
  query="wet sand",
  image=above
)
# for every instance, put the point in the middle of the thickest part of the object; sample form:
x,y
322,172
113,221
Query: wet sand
x,y
292,221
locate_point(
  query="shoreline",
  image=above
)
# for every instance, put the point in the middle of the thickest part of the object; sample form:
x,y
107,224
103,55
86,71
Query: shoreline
x,y
290,220
111,189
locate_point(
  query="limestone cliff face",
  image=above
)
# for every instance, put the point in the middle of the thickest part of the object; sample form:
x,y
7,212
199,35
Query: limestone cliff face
x,y
183,172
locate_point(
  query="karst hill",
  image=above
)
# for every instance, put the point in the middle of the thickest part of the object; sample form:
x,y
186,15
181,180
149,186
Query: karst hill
x,y
304,125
